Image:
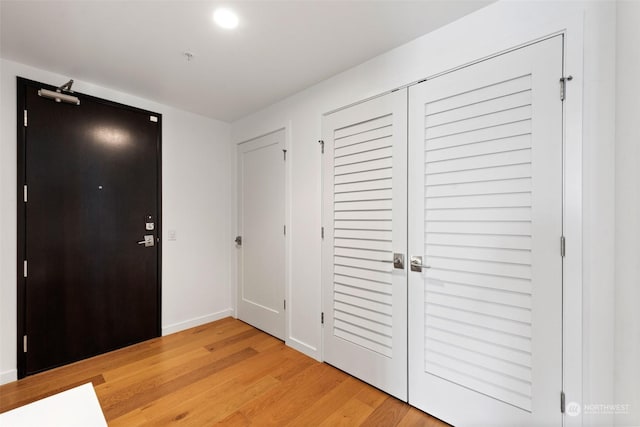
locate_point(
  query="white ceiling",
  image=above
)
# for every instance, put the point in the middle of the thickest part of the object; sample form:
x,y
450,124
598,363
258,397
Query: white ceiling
x,y
279,48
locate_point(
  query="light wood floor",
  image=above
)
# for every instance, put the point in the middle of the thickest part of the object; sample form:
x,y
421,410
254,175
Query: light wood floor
x,y
225,373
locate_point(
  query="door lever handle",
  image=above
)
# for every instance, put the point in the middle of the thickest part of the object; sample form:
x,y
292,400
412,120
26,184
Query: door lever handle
x,y
398,261
416,264
148,241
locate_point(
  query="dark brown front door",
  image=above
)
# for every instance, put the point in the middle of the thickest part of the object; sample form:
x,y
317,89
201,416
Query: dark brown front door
x,y
92,175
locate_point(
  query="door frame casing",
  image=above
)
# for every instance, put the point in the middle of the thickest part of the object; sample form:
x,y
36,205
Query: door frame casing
x,y
21,87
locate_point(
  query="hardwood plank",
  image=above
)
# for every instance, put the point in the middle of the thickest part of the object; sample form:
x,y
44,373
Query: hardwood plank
x,y
329,403
389,413
371,396
417,418
284,402
352,413
218,345
151,390
218,399
226,373
235,420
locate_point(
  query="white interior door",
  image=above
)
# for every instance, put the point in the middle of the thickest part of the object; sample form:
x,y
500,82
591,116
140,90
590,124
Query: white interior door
x,y
485,213
261,223
364,217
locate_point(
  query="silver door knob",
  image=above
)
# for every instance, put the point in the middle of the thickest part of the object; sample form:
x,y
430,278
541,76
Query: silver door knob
x,y
416,264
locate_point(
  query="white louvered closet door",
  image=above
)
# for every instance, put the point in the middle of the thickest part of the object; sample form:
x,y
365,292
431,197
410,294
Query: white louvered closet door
x,y
485,213
364,217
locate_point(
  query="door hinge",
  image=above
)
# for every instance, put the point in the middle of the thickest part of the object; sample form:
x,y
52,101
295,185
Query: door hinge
x,y
25,268
24,344
321,142
322,318
25,118
322,232
284,154
563,246
285,230
562,402
563,87
25,193
284,305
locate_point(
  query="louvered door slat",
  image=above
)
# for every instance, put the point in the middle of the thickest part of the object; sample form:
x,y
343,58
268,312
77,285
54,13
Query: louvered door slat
x,y
489,160
474,358
368,154
382,214
375,142
486,174
514,342
353,133
370,175
477,109
482,347
373,194
493,133
378,245
363,322
507,228
374,316
478,293
509,284
479,254
513,185
363,234
495,323
497,214
500,145
363,186
358,282
350,251
480,240
487,377
445,99
485,121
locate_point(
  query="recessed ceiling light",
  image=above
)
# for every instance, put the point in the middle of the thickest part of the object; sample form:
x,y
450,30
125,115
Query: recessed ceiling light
x,y
225,18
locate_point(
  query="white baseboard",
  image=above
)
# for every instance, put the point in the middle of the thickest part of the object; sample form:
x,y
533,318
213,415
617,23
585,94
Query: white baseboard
x,y
196,321
8,376
304,348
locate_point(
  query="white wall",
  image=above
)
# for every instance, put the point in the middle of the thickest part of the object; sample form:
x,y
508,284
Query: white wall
x,y
195,198
627,199
495,28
